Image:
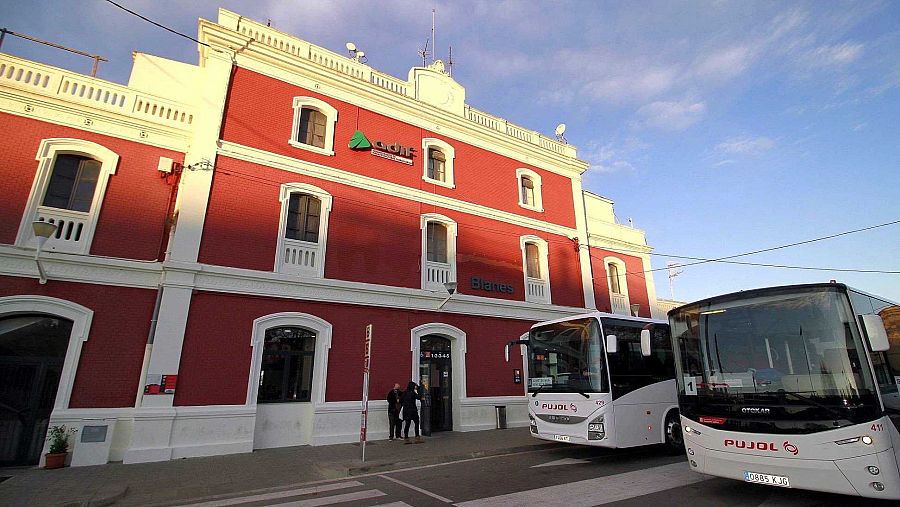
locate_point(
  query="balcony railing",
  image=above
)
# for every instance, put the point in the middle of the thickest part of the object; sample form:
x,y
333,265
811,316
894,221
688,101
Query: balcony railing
x,y
437,274
71,87
619,303
537,291
71,234
300,257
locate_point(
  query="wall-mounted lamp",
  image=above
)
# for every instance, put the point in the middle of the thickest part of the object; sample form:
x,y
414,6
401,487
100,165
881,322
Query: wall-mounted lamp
x,y
635,308
42,232
451,289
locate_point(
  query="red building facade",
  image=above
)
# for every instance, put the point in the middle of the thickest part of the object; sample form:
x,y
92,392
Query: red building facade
x,y
237,238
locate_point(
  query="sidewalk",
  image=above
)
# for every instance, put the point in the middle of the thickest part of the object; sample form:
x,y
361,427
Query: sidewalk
x,y
169,481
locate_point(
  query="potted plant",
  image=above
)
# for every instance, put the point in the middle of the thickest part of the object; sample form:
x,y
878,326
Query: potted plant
x,y
59,446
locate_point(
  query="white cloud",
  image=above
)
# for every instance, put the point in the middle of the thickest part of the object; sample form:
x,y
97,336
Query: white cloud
x,y
725,64
613,156
832,56
746,145
669,115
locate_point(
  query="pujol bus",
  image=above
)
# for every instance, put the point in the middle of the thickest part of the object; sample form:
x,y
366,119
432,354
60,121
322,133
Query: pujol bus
x,y
593,380
792,386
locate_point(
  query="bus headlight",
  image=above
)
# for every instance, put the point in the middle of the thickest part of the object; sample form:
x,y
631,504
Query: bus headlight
x,y
532,424
596,429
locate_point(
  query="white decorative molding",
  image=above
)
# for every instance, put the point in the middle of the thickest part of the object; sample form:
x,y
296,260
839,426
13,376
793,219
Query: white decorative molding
x,y
84,223
323,107
315,266
449,154
537,290
269,159
321,327
457,339
81,318
15,261
538,204
436,274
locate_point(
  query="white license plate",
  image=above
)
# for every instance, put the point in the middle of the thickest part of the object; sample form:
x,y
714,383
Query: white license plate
x,y
771,480
562,438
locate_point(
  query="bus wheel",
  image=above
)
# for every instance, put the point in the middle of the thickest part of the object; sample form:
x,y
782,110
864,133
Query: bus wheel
x,y
674,437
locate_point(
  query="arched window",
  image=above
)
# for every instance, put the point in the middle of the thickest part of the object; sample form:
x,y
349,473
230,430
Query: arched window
x,y
287,365
616,282
530,189
302,239
438,251
68,192
313,127
439,156
536,269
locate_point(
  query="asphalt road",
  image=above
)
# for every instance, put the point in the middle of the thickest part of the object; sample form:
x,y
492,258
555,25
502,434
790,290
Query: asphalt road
x,y
569,476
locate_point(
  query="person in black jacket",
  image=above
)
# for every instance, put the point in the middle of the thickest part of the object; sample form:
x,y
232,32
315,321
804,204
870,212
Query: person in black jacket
x,y
410,411
393,401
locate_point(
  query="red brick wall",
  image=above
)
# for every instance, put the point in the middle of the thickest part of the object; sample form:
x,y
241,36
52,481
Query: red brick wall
x,y
215,362
110,365
372,238
260,114
132,216
635,276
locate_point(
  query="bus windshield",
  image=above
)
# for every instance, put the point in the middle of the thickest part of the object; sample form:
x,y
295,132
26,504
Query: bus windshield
x,y
785,362
567,357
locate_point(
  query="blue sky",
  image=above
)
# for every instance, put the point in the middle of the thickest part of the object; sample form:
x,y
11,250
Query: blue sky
x,y
718,127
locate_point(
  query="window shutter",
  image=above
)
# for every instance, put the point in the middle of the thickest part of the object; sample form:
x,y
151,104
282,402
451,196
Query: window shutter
x,y
72,183
614,278
436,239
532,260
303,218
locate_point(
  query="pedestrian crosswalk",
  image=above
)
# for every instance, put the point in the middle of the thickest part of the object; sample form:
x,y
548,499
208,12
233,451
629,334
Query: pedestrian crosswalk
x,y
313,496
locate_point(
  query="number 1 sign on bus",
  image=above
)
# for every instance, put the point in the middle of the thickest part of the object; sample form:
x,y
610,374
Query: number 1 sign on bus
x,y
367,361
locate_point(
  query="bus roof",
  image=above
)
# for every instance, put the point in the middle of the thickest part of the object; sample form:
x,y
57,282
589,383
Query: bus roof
x,y
603,315
780,288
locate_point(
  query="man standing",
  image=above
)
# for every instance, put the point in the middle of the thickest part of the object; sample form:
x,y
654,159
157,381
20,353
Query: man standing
x,y
393,401
410,411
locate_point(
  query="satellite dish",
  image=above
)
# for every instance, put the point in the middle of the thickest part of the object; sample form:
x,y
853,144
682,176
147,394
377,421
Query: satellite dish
x,y
560,129
351,46
361,53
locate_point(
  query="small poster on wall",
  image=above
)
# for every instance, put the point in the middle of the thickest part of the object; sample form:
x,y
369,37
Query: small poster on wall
x,y
160,384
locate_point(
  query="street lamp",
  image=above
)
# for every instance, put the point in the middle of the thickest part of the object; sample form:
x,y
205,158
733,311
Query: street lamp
x,y
42,232
451,289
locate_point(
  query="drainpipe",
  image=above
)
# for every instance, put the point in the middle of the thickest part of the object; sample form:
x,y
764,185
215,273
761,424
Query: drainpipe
x,y
148,348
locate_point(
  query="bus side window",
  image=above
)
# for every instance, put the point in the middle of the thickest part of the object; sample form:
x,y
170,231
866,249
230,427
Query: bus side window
x,y
627,368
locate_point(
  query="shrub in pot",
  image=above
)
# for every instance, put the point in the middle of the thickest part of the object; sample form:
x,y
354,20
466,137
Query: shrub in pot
x,y
59,446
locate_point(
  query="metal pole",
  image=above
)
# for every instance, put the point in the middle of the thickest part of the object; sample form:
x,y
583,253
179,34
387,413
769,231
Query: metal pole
x,y
96,64
2,36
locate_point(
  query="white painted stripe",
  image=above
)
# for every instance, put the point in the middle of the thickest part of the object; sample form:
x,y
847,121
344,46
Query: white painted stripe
x,y
280,494
331,500
393,504
416,488
599,491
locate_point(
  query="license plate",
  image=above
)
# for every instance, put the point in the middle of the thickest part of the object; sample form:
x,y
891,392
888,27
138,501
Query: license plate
x,y
562,438
771,480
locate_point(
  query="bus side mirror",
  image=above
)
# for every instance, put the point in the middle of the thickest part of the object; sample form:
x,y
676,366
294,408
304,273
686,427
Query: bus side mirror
x,y
612,344
645,342
878,338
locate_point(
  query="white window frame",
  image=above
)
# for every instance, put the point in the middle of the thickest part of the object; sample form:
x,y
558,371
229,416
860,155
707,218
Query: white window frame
x,y
331,115
325,210
543,252
48,150
323,331
538,197
623,280
451,249
449,153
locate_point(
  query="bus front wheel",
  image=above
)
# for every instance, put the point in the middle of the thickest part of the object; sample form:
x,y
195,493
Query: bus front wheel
x,y
674,438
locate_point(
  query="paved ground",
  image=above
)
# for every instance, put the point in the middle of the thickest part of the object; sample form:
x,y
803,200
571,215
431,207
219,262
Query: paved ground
x,y
482,469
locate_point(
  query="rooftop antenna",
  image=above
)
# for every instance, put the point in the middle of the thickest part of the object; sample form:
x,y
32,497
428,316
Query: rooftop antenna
x,y
560,130
433,40
356,54
672,268
450,61
424,53
268,22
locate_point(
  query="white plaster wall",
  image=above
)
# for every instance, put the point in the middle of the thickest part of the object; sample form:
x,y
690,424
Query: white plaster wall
x,y
210,431
283,424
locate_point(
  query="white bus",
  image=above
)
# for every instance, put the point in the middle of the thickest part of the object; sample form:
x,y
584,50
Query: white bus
x,y
792,386
592,380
